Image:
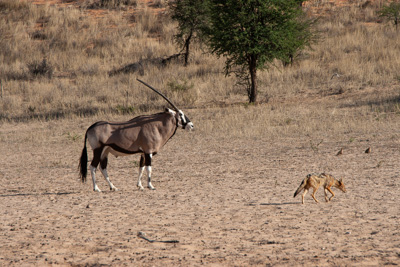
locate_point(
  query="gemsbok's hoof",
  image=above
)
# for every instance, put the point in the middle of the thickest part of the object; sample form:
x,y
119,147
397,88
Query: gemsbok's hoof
x,y
150,186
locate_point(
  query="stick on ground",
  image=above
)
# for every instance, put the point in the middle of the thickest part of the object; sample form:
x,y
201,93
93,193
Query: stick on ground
x,y
142,235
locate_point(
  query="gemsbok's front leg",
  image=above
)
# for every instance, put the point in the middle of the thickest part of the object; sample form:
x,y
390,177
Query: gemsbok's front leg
x,y
147,158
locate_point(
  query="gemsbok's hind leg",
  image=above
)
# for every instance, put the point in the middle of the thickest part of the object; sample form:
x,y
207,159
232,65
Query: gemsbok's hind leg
x,y
93,167
141,169
103,169
93,173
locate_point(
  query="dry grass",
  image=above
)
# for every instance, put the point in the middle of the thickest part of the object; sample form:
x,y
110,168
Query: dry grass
x,y
81,50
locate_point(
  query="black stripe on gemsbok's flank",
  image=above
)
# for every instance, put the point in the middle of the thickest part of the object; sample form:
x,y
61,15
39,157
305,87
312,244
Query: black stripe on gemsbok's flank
x,y
123,150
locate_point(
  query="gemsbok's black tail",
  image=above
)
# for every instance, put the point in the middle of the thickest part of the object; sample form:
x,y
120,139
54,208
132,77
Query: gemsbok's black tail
x,y
83,162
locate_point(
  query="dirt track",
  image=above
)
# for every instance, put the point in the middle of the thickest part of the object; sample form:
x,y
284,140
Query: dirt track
x,y
225,204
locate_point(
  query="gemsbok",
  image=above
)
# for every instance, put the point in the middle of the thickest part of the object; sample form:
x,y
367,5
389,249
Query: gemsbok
x,y
145,134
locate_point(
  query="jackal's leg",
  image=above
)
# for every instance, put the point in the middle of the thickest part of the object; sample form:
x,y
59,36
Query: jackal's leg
x,y
103,169
141,169
330,191
147,158
302,196
313,194
326,194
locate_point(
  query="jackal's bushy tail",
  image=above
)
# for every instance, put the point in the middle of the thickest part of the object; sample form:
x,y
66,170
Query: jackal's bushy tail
x,y
302,185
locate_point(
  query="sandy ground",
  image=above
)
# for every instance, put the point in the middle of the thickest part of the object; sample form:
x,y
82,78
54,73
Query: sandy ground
x,y
228,202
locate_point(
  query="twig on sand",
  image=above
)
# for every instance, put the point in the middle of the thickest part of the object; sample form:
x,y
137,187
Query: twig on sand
x,y
142,235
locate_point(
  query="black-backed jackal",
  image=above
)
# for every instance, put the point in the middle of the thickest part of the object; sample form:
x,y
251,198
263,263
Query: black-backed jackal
x,y
315,181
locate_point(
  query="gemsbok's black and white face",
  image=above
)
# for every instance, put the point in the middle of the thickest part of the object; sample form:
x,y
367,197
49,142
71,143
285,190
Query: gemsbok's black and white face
x,y
182,120
185,122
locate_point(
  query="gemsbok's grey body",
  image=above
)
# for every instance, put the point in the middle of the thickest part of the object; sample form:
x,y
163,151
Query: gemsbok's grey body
x,y
145,134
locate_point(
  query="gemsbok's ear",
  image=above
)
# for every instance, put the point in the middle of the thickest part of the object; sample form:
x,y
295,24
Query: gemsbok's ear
x,y
168,110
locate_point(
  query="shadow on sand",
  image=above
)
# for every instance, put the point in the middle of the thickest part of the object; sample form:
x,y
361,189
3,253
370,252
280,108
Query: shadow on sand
x,y
280,204
38,194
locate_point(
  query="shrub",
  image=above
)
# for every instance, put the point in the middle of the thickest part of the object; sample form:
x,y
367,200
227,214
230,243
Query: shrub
x,y
391,12
40,68
175,86
109,3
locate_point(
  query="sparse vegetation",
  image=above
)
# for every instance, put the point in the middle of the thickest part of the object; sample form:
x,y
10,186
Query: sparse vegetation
x,y
42,68
176,86
109,3
391,12
81,50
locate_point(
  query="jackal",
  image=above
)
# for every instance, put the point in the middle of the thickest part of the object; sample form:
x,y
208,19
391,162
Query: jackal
x,y
315,181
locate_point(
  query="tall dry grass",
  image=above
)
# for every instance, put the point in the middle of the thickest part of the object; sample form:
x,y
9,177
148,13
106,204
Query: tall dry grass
x,y
80,50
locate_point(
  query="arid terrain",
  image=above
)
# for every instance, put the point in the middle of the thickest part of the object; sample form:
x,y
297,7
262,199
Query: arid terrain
x,y
228,200
224,192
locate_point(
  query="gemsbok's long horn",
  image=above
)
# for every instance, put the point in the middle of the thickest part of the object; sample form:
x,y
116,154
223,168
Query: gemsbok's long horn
x,y
161,94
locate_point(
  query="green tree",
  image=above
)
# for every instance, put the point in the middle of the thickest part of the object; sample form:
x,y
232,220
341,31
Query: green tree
x,y
391,12
300,36
191,16
250,34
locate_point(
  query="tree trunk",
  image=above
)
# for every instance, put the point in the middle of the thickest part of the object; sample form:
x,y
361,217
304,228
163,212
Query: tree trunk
x,y
253,79
187,46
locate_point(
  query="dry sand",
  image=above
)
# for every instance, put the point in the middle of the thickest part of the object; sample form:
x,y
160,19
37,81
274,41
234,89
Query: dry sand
x,y
228,201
